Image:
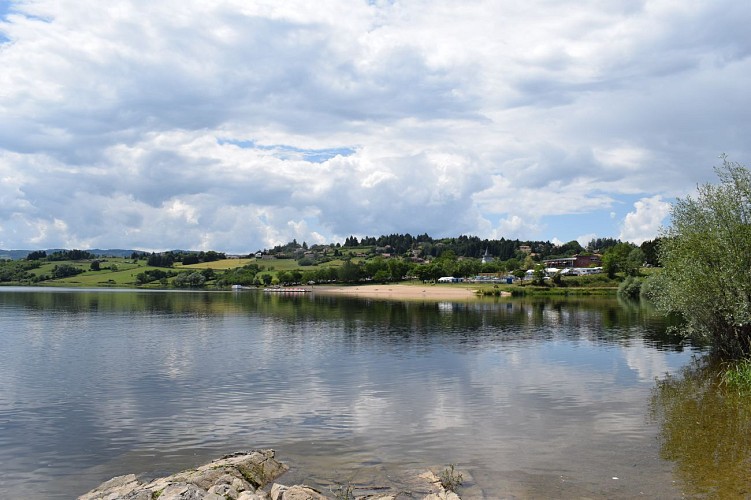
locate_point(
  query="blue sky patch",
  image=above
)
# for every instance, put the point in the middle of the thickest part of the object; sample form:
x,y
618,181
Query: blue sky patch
x,y
5,7
284,152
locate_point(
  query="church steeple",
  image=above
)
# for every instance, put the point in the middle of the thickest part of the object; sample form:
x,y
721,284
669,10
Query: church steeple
x,y
486,258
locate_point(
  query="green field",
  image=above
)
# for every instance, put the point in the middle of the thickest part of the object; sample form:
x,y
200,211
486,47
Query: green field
x,y
218,265
125,275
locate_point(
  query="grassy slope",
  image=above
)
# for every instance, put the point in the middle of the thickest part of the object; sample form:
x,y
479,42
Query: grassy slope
x,y
125,276
218,265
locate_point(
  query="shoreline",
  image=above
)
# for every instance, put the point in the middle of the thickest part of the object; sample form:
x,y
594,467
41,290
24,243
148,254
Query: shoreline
x,y
401,292
252,475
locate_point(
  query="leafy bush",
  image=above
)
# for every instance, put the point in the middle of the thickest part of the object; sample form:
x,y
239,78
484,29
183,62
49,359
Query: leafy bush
x,y
150,275
189,280
65,271
15,270
706,266
630,288
648,288
600,279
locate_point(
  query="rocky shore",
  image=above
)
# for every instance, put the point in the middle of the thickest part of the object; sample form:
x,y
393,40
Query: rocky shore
x,y
248,476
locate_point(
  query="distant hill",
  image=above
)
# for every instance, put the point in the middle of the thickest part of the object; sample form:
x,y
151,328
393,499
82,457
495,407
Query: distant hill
x,y
13,254
112,252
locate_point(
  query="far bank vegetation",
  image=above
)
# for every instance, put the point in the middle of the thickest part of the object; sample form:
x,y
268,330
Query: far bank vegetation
x,y
490,265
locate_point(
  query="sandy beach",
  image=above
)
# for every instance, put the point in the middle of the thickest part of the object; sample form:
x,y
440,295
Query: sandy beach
x,y
401,292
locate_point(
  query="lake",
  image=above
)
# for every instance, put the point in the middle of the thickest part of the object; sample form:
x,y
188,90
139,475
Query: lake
x,y
528,397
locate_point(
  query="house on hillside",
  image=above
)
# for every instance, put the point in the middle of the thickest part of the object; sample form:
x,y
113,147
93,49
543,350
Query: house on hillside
x,y
560,262
588,260
575,261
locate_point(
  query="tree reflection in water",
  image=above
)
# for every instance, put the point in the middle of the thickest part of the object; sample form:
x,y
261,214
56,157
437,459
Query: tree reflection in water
x,y
705,428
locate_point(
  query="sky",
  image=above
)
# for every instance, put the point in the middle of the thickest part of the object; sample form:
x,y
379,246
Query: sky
x,y
237,125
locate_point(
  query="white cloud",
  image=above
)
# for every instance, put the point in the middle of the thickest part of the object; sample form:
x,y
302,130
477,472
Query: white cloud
x,y
515,226
645,221
447,117
181,211
584,239
553,197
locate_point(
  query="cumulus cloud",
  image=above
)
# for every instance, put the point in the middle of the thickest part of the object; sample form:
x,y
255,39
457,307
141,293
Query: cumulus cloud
x,y
186,124
584,239
645,221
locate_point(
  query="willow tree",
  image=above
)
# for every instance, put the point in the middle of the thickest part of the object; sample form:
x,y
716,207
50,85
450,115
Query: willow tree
x,y
706,260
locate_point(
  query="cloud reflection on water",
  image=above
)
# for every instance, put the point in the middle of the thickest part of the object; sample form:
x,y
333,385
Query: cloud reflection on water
x,y
500,387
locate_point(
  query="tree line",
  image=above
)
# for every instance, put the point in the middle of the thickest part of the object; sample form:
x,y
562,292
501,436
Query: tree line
x,y
465,246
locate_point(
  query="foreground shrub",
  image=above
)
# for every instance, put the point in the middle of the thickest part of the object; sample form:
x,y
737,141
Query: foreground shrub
x,y
706,260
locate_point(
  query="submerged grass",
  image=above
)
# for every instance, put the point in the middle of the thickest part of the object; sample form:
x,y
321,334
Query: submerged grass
x,y
704,415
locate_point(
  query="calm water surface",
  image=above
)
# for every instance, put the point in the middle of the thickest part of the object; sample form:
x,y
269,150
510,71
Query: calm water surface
x,y
528,398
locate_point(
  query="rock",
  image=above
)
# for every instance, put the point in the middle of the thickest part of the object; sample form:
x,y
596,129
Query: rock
x,y
297,492
241,476
443,495
184,491
223,490
440,492
117,487
258,495
225,478
277,490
